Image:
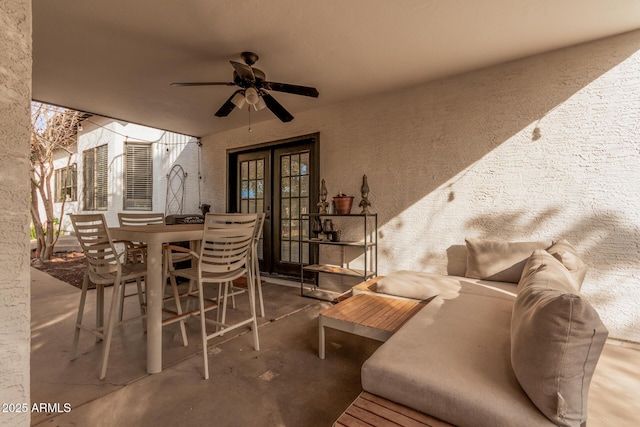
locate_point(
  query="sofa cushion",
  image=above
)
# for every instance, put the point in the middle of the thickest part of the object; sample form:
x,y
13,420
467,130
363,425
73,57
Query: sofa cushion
x,y
499,260
452,361
417,285
564,252
556,340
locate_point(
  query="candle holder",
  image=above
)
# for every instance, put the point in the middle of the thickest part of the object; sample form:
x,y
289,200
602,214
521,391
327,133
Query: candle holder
x,y
323,204
365,203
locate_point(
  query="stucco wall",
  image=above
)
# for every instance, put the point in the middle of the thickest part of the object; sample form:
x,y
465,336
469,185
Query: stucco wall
x,y
542,148
15,96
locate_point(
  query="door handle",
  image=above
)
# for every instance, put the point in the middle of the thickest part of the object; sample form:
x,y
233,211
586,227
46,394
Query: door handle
x,y
267,213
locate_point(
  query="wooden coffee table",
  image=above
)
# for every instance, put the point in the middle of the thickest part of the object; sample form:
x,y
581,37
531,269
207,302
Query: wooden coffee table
x,y
367,315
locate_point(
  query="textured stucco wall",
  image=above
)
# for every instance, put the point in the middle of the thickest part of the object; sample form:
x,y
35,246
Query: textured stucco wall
x,y
15,96
546,147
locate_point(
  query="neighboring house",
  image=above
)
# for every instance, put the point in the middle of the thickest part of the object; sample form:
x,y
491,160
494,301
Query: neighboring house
x,y
119,166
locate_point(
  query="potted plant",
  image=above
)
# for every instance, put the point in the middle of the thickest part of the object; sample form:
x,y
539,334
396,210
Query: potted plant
x,y
343,203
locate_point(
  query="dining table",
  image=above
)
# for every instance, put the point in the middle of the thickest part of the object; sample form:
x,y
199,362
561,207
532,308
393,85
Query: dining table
x,y
154,236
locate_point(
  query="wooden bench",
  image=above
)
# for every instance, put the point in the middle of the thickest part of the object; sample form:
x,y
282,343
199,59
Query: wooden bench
x,y
371,410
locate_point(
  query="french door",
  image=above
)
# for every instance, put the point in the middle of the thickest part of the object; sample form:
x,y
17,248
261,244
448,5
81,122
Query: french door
x,y
281,180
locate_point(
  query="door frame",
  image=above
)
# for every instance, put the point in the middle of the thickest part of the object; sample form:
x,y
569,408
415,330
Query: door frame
x,y
314,179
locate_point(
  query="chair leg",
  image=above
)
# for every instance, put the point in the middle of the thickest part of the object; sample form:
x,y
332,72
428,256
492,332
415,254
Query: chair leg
x,y
224,300
176,297
122,296
140,301
109,329
189,293
76,334
220,302
258,283
252,306
203,326
99,310
233,296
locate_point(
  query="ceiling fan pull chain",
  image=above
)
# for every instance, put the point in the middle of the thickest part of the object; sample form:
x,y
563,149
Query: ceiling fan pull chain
x,y
249,108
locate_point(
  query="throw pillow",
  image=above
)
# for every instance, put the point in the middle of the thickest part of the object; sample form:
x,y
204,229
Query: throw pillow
x,y
564,252
418,285
499,260
556,340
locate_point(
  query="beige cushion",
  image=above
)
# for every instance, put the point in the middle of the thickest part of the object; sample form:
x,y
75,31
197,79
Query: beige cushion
x,y
556,340
564,252
418,285
499,260
452,361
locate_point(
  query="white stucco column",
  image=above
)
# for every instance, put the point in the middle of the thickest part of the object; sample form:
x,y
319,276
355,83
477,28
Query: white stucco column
x,y
15,98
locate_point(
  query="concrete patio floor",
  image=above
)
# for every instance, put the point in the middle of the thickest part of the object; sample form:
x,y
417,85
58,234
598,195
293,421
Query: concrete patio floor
x,y
283,384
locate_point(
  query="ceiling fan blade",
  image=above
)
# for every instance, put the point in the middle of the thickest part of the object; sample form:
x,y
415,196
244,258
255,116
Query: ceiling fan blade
x,y
203,84
276,108
244,71
295,89
228,106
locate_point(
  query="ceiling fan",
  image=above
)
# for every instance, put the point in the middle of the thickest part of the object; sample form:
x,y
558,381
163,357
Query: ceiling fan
x,y
254,89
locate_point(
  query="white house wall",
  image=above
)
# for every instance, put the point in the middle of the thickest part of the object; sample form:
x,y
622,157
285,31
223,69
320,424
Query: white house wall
x,y
543,148
167,152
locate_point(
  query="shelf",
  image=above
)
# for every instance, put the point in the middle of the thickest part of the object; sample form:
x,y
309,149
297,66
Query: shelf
x,y
334,269
366,244
346,215
344,243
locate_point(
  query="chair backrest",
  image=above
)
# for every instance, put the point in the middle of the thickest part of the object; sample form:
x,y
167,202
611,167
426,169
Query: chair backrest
x,y
227,242
259,225
257,234
93,235
125,218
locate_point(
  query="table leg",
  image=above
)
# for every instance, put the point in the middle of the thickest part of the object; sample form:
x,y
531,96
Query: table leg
x,y
154,292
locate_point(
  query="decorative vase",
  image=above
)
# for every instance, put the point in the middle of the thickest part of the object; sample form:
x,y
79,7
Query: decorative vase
x,y
343,204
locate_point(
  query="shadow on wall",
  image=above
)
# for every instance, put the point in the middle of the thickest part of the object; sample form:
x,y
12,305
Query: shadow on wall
x,y
595,242
608,248
459,120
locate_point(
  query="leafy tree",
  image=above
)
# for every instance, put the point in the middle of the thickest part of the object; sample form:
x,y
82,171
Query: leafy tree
x,y
52,129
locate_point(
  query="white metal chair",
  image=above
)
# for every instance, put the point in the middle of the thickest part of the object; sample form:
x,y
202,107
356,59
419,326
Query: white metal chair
x,y
224,255
104,267
255,267
137,252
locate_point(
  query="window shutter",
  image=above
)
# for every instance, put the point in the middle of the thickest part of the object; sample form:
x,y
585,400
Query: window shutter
x,y
138,177
95,174
66,183
102,178
88,158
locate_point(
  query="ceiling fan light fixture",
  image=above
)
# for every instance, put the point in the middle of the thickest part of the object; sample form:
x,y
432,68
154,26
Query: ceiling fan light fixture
x,y
260,105
238,100
251,95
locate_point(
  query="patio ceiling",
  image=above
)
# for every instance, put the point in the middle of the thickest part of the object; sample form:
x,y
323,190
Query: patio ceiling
x,y
117,57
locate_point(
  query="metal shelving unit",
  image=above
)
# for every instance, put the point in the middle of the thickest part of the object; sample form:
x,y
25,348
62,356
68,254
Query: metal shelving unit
x,y
368,246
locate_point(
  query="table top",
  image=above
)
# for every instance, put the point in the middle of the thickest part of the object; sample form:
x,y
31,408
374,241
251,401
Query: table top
x,y
374,311
158,233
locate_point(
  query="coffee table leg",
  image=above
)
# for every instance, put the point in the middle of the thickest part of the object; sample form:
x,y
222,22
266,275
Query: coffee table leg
x,y
321,338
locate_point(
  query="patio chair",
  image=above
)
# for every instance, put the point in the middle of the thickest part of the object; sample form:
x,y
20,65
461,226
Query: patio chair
x,y
224,255
136,251
254,267
104,267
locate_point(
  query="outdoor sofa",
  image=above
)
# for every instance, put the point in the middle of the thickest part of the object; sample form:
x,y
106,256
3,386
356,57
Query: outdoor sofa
x,y
512,343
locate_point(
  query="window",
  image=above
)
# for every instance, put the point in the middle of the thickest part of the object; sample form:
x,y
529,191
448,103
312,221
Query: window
x,y
95,168
138,180
66,180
